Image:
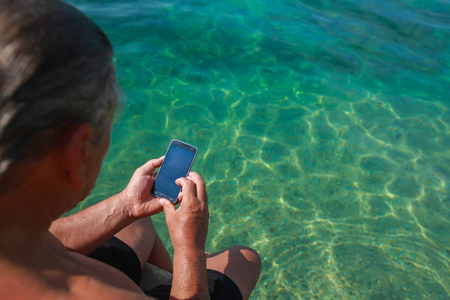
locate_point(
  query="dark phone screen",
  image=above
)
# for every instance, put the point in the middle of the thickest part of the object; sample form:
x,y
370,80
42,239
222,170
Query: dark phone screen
x,y
176,164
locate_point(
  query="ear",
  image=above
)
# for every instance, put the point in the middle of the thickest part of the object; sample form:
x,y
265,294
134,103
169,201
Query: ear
x,y
74,148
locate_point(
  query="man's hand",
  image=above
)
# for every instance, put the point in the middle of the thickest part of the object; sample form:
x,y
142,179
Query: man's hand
x,y
188,225
188,228
137,194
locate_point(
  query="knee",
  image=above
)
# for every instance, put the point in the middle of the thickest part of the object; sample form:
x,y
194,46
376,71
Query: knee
x,y
247,257
245,268
241,264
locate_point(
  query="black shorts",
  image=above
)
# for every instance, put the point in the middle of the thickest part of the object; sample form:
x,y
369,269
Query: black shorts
x,y
119,255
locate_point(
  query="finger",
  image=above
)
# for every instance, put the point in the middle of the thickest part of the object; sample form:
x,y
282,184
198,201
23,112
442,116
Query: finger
x,y
149,167
180,197
200,186
187,186
167,206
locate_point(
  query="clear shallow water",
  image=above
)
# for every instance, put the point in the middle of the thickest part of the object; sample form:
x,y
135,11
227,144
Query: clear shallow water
x,y
323,129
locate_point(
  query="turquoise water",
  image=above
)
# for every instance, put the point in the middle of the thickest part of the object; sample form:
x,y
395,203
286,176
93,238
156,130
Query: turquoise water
x,y
323,130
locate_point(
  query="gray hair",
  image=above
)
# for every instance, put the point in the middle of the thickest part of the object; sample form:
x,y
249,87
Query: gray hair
x,y
56,71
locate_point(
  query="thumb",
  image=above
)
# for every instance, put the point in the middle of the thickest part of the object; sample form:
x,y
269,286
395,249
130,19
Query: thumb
x,y
167,206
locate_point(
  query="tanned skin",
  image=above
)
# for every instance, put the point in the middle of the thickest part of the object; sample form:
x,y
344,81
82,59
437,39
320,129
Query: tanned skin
x,y
36,263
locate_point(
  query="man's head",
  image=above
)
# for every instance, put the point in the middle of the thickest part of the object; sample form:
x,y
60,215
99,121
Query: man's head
x,y
56,72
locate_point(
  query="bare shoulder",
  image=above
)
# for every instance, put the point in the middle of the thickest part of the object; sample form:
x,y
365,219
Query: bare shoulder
x,y
103,281
19,290
79,277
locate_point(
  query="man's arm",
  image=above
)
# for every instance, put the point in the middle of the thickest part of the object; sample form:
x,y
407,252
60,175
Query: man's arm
x,y
87,230
188,229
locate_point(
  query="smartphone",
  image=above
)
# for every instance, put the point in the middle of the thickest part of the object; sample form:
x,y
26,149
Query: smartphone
x,y
177,163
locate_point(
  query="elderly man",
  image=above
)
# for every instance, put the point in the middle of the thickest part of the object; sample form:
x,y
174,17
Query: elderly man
x,y
58,95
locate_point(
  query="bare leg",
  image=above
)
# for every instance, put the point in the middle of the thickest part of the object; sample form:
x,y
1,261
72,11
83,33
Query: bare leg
x,y
241,264
142,237
160,257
